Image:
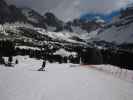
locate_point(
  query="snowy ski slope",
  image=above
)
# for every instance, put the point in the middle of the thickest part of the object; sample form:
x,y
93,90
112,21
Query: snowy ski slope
x,y
60,82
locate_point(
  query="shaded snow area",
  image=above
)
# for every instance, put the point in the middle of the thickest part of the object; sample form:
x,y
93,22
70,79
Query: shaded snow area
x,y
60,82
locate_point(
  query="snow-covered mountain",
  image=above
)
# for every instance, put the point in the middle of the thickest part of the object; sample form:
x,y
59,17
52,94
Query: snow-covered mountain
x,y
27,35
26,27
120,30
11,13
35,29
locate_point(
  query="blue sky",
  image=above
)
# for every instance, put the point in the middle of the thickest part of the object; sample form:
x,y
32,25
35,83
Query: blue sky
x,y
70,9
92,16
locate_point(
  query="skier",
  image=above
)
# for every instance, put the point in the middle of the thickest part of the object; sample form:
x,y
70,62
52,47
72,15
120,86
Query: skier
x,y
43,66
16,62
10,59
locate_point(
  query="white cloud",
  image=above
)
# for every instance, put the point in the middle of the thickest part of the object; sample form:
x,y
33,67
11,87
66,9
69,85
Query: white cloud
x,y
69,9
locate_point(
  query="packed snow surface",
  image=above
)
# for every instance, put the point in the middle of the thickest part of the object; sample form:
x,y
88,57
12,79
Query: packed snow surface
x,y
60,82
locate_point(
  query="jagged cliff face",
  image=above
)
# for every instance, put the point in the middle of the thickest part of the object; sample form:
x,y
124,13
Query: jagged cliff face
x,y
33,17
4,7
4,11
10,13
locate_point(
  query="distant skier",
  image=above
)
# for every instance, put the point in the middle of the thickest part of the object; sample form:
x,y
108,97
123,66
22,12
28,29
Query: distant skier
x,y
43,66
16,62
10,59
